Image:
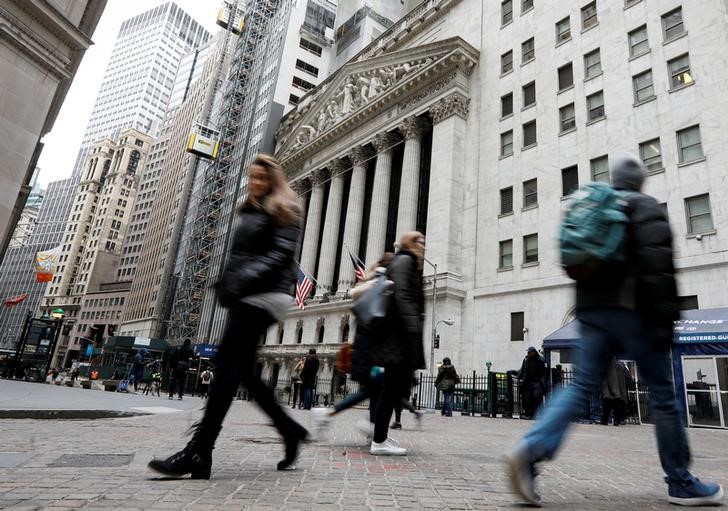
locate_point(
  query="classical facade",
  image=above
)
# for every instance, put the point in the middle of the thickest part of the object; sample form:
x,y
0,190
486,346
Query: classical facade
x,y
474,126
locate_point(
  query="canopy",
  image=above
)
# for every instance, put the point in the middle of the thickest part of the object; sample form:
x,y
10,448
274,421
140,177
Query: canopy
x,y
565,337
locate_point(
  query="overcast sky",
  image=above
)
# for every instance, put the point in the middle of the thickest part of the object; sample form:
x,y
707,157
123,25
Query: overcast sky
x,y
62,143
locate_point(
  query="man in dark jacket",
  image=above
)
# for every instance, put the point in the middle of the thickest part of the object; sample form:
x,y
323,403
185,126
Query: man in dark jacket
x,y
628,308
532,380
179,365
308,378
447,379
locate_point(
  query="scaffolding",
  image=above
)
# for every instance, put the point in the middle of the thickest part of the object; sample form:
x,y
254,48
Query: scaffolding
x,y
219,174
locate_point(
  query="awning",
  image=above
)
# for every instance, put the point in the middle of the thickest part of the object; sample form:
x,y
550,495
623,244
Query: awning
x,y
565,337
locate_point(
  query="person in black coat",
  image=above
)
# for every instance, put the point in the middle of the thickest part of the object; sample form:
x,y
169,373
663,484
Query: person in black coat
x,y
532,382
308,378
400,350
179,365
257,286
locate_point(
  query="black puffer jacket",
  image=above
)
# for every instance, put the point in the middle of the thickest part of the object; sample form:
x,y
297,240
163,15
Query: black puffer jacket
x,y
647,282
261,258
402,343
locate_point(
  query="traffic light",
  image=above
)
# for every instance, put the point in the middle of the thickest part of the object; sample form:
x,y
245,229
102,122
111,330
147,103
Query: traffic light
x,y
437,342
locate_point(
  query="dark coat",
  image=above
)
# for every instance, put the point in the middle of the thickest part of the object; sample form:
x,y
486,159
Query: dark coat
x,y
447,377
261,258
401,343
310,369
533,370
181,358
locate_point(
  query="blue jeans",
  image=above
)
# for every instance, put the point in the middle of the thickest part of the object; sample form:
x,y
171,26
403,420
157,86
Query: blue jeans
x,y
605,332
309,394
447,402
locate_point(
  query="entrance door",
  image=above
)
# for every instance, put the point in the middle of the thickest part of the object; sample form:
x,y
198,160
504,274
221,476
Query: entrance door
x,y
706,390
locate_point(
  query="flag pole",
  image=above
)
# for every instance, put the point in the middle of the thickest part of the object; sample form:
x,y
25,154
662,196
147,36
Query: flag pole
x,y
355,257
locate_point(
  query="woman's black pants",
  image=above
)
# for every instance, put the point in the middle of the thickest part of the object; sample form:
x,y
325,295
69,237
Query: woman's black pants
x,y
397,381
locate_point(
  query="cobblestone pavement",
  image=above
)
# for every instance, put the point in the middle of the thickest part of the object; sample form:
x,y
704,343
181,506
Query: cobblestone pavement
x,y
453,463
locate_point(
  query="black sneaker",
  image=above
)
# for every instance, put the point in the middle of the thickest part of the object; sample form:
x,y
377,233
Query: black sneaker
x,y
694,493
396,425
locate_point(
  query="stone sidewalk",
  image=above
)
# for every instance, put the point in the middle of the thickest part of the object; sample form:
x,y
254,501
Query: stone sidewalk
x,y
452,464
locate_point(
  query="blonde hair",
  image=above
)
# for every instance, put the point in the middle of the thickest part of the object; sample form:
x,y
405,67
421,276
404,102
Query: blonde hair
x,y
282,202
408,241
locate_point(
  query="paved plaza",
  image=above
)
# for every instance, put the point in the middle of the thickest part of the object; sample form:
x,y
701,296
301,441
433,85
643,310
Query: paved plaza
x,y
452,463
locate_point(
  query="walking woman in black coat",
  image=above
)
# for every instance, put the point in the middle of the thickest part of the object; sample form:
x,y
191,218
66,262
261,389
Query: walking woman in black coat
x,y
257,288
400,350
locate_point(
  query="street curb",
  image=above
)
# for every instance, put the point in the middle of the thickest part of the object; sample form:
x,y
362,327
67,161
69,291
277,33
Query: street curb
x,y
67,414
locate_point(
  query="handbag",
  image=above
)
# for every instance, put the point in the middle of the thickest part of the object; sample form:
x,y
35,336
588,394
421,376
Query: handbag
x,y
370,309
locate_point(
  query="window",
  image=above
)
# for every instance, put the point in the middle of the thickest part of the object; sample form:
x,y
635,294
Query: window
x,y
686,303
302,84
528,53
688,144
642,86
563,30
567,118
517,329
505,254
529,134
569,180
566,76
600,169
595,106
530,193
506,200
592,64
638,43
507,62
293,99
589,15
529,94
679,69
651,155
507,143
526,5
530,249
307,68
506,12
311,47
697,210
507,105
672,24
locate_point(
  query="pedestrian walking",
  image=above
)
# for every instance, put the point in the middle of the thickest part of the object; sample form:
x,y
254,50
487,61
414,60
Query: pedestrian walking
x,y
308,378
206,379
400,350
179,365
296,389
137,368
614,393
626,305
257,287
447,379
532,382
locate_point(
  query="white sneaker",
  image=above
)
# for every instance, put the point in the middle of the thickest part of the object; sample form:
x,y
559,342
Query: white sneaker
x,y
365,427
321,420
386,448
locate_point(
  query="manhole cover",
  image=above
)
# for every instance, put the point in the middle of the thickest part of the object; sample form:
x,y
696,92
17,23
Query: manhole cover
x,y
93,460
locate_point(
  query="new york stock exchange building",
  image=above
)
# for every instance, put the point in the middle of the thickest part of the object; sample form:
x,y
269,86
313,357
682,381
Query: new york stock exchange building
x,y
459,121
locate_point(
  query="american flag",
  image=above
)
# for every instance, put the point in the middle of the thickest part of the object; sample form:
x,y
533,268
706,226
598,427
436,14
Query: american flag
x,y
303,289
359,270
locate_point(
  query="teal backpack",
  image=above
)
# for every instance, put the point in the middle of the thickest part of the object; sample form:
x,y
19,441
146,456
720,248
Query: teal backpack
x,y
594,230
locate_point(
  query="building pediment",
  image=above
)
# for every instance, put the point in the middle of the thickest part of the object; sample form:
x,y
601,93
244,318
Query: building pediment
x,y
362,89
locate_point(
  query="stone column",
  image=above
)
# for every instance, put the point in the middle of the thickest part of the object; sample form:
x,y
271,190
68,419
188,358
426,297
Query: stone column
x,y
313,222
379,210
327,259
412,129
354,215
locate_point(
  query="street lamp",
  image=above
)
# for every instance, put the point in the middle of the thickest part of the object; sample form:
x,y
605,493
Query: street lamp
x,y
448,322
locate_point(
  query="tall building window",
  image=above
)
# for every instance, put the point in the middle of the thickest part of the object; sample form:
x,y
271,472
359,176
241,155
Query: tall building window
x,y
589,15
642,86
507,143
302,84
592,64
697,210
672,24
506,12
505,254
529,134
311,47
563,30
293,99
507,105
528,52
506,200
569,180
638,43
566,76
530,193
567,118
679,69
526,5
530,248
507,62
517,326
688,144
651,155
307,68
595,106
600,169
529,94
